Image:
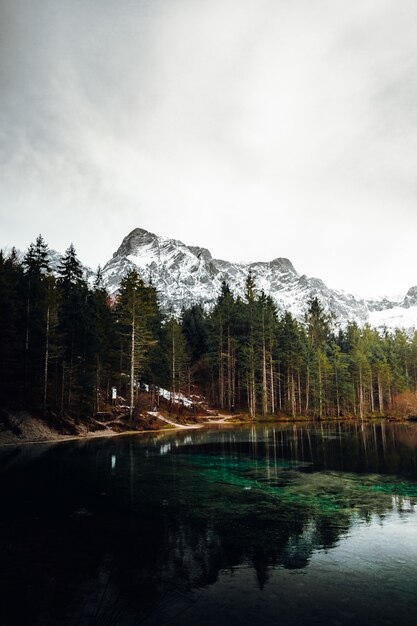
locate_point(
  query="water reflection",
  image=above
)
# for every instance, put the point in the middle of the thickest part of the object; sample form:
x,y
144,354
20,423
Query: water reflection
x,y
128,529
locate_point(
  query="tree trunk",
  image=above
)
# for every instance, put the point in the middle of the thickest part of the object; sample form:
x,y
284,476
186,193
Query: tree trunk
x,y
132,365
361,402
271,375
27,340
264,381
70,371
279,388
380,395
337,392
320,390
62,388
221,368
233,374
45,384
98,384
371,392
292,392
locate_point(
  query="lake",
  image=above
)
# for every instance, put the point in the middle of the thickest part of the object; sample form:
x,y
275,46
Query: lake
x,y
278,524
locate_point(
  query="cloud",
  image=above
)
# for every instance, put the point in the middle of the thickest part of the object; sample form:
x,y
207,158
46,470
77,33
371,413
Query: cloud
x,y
258,129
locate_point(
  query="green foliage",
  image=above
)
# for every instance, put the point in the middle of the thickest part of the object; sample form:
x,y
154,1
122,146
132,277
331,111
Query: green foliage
x,y
65,344
271,364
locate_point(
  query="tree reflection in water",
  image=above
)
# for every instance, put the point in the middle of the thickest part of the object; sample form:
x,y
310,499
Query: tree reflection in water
x,y
126,529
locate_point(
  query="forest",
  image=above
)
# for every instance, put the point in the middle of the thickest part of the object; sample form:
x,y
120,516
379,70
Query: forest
x,y
65,343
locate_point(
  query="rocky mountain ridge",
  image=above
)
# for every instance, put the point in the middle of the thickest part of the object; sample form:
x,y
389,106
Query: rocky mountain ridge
x,y
185,275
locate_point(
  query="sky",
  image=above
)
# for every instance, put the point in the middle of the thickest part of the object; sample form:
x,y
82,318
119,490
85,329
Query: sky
x,y
256,128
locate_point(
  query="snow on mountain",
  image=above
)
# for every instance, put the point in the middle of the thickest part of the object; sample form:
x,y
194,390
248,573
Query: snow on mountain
x,y
398,313
395,317
185,275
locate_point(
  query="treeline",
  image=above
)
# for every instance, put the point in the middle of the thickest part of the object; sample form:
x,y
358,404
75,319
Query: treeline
x,y
272,364
66,343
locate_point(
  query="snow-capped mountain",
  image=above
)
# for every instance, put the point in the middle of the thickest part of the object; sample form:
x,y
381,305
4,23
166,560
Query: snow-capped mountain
x,y
184,275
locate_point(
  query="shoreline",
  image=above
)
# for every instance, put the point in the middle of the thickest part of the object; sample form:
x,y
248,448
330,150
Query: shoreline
x,y
103,434
171,427
92,435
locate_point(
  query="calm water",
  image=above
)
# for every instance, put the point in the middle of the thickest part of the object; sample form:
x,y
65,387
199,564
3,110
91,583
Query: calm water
x,y
270,525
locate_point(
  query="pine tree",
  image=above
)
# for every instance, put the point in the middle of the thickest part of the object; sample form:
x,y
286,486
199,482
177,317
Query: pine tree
x,y
70,270
318,326
100,342
37,268
73,311
250,347
134,311
179,358
36,260
12,324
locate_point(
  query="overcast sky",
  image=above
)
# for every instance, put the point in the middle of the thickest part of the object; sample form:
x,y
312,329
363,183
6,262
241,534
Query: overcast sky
x,y
255,128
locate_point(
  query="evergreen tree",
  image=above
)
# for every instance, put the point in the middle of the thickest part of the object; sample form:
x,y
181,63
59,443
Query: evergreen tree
x,y
194,326
101,342
36,265
36,260
12,324
250,344
76,386
318,327
70,270
134,313
179,358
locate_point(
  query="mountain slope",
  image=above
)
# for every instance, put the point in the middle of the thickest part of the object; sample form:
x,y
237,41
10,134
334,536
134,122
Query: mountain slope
x,y
184,275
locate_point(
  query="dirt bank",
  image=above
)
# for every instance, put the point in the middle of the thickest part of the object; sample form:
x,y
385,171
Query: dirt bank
x,y
21,427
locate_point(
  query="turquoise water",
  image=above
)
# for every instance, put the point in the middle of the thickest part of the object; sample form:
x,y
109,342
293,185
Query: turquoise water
x,y
282,524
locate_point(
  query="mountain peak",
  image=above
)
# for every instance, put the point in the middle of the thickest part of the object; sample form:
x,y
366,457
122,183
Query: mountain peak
x,y
411,298
139,232
201,253
137,237
283,264
186,275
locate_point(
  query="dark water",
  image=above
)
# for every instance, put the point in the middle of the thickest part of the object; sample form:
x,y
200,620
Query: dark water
x,y
277,525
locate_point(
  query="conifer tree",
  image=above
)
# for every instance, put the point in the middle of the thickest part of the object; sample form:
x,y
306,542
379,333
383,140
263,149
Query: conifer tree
x,y
12,324
100,340
70,269
134,313
36,266
179,358
73,309
36,260
251,297
318,327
